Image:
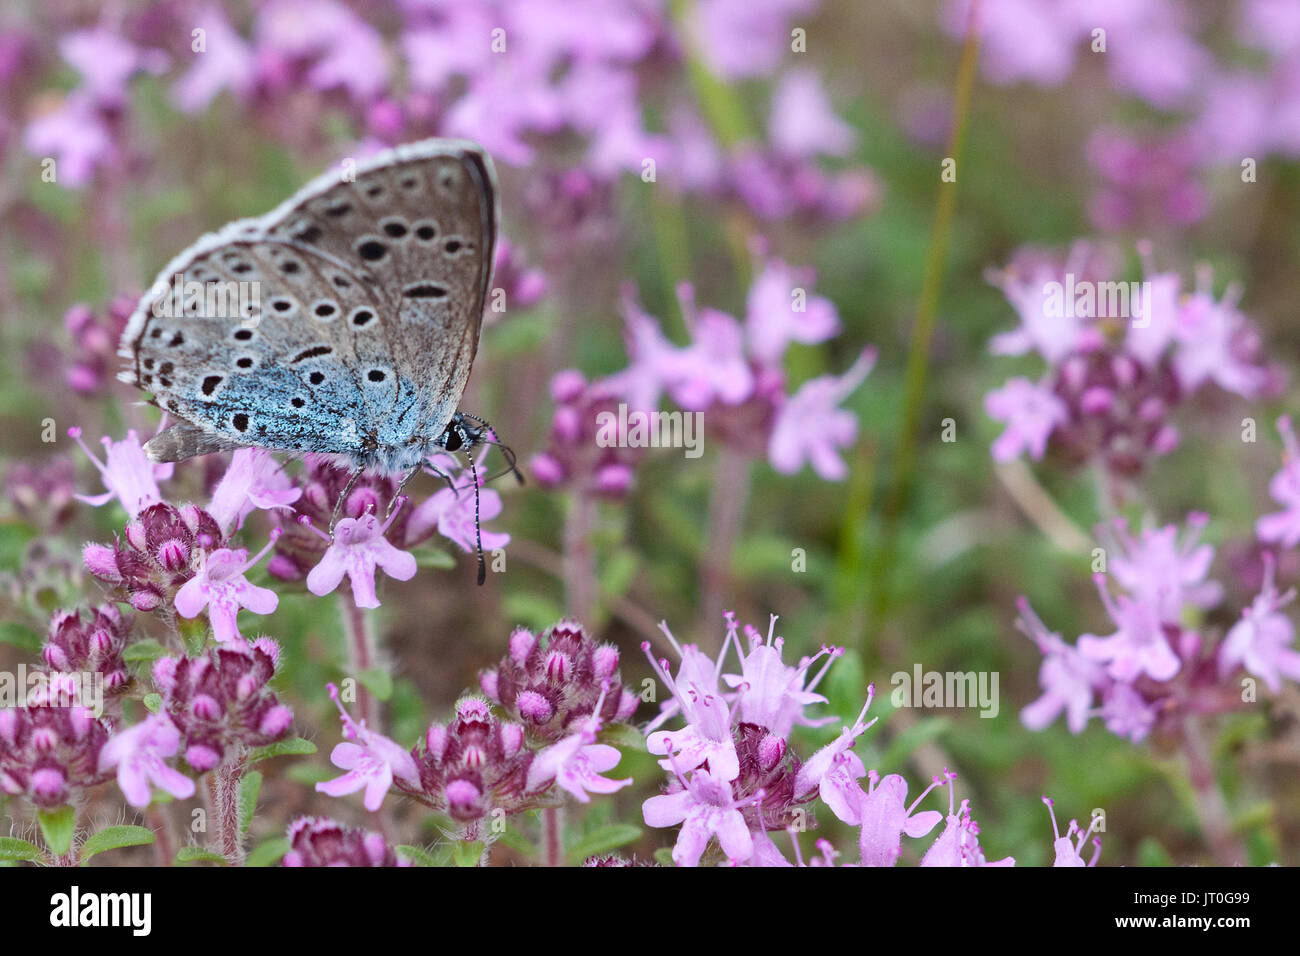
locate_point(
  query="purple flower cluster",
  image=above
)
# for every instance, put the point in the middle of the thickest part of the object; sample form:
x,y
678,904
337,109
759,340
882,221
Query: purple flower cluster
x,y
731,372
734,778
319,841
96,645
1121,357
1154,670
554,693
48,754
1222,92
221,700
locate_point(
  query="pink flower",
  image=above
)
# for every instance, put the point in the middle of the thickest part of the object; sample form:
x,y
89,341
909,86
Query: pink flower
x,y
1031,412
775,317
138,753
129,475
707,734
1067,677
452,511
1069,854
220,586
253,480
75,135
810,427
1216,342
1168,574
1024,283
1261,641
1127,713
357,549
652,358
576,762
958,844
885,817
802,123
225,63
106,61
1139,646
1283,526
714,367
769,693
834,771
705,808
373,762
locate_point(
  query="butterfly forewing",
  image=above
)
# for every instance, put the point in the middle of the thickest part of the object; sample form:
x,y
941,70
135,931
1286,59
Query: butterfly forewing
x,y
369,296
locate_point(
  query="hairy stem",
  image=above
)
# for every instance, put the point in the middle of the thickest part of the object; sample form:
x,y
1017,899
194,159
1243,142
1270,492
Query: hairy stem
x,y
579,558
727,502
1211,808
361,656
164,844
553,836
224,783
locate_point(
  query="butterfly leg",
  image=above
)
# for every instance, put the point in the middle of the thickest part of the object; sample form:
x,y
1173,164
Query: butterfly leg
x,y
338,505
400,485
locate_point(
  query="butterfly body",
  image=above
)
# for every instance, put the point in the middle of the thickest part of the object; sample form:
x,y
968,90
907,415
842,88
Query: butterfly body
x,y
343,322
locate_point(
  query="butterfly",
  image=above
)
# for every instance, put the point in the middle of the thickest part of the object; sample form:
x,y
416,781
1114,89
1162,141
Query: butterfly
x,y
343,322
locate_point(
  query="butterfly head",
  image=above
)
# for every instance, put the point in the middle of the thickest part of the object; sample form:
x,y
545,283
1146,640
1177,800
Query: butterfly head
x,y
463,433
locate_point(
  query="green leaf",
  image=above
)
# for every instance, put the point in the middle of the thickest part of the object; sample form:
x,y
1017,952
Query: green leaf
x,y
194,634
664,856
466,853
13,849
20,636
145,650
153,702
378,682
269,852
436,558
114,838
512,839
293,747
250,785
623,736
58,826
310,774
416,854
198,854
603,840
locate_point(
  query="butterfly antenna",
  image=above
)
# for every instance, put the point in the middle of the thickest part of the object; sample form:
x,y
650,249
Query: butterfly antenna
x,y
478,535
506,451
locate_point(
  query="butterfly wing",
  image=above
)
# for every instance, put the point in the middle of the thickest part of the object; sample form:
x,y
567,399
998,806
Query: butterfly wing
x,y
422,220
359,306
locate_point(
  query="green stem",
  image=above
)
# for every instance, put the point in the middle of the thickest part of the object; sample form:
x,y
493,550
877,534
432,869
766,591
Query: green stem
x,y
918,358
